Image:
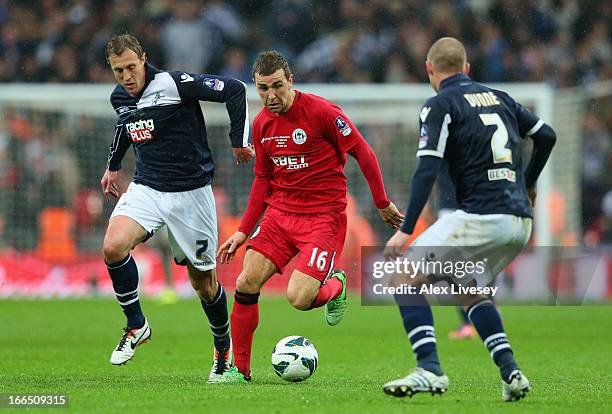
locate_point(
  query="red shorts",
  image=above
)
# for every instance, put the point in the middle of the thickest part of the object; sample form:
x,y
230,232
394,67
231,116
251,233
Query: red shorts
x,y
318,238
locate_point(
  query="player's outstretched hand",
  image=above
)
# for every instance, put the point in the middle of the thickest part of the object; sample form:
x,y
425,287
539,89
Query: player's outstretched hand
x,y
228,249
394,246
244,155
532,193
391,216
109,184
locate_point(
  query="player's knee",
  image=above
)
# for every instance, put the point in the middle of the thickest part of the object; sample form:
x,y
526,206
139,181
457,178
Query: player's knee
x,y
299,298
204,283
248,282
115,249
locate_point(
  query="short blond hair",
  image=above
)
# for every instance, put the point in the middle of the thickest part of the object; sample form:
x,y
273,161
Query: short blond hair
x,y
447,55
120,43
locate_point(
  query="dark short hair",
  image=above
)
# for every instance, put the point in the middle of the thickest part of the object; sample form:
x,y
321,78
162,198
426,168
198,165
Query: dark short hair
x,y
269,62
119,43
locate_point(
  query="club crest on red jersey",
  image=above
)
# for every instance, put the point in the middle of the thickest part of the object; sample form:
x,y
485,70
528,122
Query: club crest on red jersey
x,y
299,136
343,126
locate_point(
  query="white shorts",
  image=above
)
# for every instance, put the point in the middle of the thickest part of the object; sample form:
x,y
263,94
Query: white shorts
x,y
190,216
495,239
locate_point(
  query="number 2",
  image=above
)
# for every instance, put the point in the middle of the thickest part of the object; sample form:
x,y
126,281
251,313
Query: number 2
x,y
200,252
499,138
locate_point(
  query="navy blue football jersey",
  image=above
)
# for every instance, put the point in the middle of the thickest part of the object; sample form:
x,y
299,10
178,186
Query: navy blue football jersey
x,y
447,200
166,126
478,130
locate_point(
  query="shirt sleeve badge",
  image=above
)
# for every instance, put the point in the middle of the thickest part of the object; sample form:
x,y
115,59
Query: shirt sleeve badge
x,y
343,126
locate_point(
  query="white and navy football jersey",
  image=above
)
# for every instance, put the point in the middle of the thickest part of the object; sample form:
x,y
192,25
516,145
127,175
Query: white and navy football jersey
x,y
166,126
478,130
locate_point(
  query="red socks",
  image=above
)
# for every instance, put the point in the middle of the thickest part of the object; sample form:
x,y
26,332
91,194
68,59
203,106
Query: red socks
x,y
328,292
245,318
244,321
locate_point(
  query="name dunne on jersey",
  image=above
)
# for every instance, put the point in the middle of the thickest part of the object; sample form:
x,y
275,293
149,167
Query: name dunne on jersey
x,y
140,130
292,162
481,99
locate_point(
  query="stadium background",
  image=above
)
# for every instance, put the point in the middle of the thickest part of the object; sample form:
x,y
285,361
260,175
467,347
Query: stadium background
x,y
54,138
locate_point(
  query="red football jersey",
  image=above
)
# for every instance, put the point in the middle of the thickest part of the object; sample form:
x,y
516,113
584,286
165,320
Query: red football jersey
x,y
303,152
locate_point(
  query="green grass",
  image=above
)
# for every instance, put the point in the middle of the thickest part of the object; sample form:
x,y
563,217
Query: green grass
x,y
64,346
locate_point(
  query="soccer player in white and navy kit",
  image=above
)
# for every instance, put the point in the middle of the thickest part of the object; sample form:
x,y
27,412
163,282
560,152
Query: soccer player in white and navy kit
x,y
159,114
477,130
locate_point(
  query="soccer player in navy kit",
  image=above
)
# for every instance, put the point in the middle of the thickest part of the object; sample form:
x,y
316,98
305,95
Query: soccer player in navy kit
x,y
159,114
447,203
478,131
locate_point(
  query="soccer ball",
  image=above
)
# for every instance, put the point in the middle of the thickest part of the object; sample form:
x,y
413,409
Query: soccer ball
x,y
294,358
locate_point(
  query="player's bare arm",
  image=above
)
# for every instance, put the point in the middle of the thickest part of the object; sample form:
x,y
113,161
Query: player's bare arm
x,y
243,155
109,184
228,249
391,215
394,245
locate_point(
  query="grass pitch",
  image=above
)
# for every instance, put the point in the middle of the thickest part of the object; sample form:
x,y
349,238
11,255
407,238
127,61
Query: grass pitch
x,y
62,347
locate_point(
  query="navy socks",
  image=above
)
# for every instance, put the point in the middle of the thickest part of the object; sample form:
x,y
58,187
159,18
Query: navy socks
x,y
418,323
124,275
488,323
216,311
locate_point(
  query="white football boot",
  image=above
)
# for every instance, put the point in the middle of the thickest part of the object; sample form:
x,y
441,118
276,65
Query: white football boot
x,y
221,364
517,388
419,380
130,339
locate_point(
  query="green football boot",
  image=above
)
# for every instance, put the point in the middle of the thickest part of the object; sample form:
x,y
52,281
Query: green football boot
x,y
230,376
335,310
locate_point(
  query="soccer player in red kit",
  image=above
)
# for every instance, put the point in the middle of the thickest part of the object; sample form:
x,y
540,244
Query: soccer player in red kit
x,y
301,141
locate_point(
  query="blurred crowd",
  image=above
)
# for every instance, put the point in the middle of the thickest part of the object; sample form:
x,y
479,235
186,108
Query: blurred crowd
x,y
565,43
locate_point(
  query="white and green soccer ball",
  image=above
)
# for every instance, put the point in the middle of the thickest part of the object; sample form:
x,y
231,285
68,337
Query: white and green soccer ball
x,y
294,358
